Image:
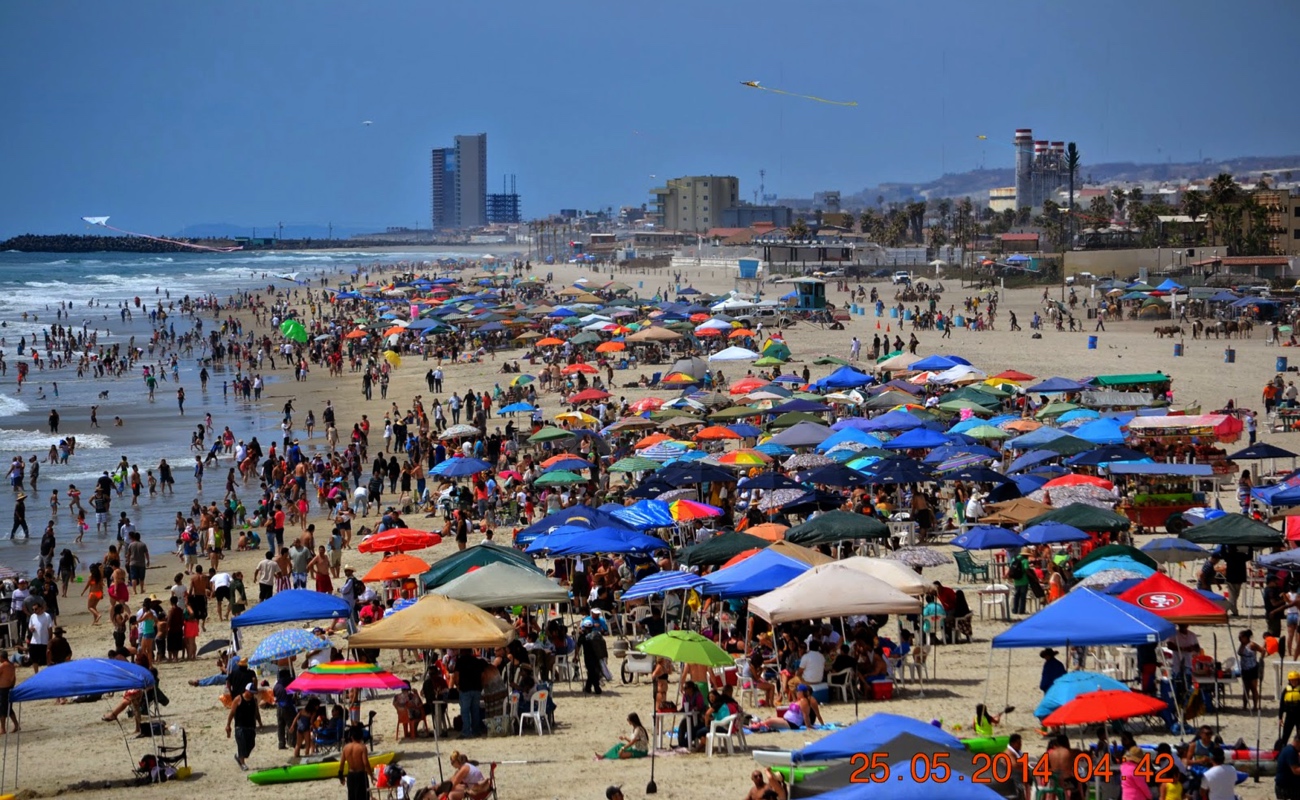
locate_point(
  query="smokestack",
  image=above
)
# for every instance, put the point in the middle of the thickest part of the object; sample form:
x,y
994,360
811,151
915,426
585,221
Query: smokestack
x,y
1024,144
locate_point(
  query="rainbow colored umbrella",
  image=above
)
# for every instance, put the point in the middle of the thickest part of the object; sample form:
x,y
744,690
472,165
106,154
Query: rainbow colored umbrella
x,y
683,510
744,458
343,676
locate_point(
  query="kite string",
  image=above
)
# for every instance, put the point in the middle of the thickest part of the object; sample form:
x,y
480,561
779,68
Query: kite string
x,y
172,241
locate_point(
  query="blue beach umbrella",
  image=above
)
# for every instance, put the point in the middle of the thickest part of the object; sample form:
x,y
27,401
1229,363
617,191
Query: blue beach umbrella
x,y
460,467
1054,532
286,644
989,537
1071,685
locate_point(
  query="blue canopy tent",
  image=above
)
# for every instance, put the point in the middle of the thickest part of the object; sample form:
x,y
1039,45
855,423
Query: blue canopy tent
x,y
1033,439
869,734
917,438
904,785
1031,458
845,377
81,677
803,434
1053,385
1113,562
579,516
660,582
1101,431
848,435
1086,618
646,514
892,421
758,574
291,605
937,363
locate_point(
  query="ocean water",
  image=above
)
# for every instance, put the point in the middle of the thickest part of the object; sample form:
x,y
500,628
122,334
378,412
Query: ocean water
x,y
95,286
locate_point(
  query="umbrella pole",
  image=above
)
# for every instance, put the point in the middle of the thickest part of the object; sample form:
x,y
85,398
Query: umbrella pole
x,y
1215,635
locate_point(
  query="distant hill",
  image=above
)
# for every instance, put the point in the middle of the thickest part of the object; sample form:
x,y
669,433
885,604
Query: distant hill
x,y
978,182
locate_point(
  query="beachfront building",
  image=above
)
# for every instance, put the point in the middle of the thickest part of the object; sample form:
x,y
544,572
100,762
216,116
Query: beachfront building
x,y
694,203
459,184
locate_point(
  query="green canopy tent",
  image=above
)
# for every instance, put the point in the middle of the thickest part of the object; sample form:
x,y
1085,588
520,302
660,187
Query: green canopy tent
x,y
1234,529
720,549
836,526
791,418
1085,518
1067,446
1118,551
1139,379
548,434
480,555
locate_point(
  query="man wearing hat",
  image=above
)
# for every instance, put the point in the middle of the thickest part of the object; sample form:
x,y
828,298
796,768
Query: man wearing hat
x,y
351,590
1288,713
614,793
1052,668
244,718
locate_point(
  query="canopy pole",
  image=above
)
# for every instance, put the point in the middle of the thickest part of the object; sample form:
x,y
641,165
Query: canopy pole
x,y
1006,700
1215,690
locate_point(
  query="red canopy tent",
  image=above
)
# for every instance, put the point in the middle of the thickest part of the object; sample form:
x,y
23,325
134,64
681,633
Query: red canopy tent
x,y
1180,604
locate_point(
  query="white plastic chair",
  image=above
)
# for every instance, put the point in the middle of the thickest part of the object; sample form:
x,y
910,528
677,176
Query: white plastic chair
x,y
566,666
917,662
729,730
845,685
745,681
536,713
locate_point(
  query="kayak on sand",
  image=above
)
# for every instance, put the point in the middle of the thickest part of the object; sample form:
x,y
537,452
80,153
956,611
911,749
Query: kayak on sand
x,y
310,772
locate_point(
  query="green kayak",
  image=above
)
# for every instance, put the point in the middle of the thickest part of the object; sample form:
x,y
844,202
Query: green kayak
x,y
990,745
310,772
796,774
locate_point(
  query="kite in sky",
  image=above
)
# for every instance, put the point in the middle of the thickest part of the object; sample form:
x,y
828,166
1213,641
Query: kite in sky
x,y
103,223
757,85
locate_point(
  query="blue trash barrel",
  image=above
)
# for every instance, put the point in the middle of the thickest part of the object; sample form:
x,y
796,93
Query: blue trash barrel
x,y
1281,365
1092,342
907,315
1230,356
960,322
1178,350
893,312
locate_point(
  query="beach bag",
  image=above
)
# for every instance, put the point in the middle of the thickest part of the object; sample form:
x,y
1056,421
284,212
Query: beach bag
x,y
1017,569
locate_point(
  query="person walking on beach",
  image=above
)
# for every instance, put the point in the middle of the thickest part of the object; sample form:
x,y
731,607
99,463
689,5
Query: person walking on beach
x,y
180,399
356,759
20,516
245,718
137,561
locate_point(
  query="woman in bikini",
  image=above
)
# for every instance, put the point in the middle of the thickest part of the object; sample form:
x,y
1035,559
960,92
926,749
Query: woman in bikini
x,y
803,712
94,591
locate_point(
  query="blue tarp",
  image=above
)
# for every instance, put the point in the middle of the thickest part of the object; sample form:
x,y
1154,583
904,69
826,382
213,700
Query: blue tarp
x,y
646,514
1100,431
917,438
869,734
760,573
845,377
584,541
1086,618
80,677
1056,385
293,605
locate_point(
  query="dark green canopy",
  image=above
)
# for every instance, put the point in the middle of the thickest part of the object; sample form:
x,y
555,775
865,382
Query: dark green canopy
x,y
1085,517
791,418
1234,529
1118,551
720,549
453,566
835,526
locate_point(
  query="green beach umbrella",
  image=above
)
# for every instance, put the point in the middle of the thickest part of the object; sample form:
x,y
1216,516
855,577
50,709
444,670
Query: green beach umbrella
x,y
560,477
768,361
293,329
986,432
1055,409
720,549
634,464
548,434
686,647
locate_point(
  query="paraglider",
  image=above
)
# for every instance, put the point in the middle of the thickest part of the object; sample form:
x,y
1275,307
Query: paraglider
x,y
103,223
757,85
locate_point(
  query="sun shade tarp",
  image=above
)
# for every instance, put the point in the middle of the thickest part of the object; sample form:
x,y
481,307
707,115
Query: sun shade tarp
x,y
293,605
504,584
1234,529
480,555
1086,618
81,677
435,621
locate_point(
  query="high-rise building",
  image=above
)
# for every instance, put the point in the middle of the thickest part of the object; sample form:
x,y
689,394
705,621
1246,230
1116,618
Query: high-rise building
x,y
443,181
471,180
459,184
694,203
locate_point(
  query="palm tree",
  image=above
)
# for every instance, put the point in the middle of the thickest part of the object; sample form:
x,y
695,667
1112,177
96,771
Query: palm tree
x,y
1072,169
799,230
1120,198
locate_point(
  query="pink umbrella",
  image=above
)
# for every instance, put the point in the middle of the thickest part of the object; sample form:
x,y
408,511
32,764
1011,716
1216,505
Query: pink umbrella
x,y
316,683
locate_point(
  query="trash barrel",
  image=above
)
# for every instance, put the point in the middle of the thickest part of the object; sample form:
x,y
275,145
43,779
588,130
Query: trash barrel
x,y
1280,366
1178,350
893,312
1092,342
960,322
907,315
1230,356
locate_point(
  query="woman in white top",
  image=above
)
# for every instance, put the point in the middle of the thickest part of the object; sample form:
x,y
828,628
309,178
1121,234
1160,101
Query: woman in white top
x,y
467,780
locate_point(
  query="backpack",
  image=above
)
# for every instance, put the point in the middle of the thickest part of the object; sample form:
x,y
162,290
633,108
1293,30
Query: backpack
x,y
1016,570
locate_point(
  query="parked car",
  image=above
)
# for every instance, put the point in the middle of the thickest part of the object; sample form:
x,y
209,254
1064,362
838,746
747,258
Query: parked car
x,y
901,277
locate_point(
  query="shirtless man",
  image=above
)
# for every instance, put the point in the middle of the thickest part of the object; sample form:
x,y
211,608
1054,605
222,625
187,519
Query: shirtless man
x,y
357,760
200,591
767,787
1061,760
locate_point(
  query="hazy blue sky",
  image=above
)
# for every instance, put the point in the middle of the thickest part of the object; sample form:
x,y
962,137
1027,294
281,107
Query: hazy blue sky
x,y
165,114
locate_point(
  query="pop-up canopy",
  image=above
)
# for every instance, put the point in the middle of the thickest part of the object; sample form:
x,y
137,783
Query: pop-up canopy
x,y
1167,598
1085,618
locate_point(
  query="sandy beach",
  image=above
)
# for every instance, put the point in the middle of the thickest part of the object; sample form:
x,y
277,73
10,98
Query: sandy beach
x,y
66,748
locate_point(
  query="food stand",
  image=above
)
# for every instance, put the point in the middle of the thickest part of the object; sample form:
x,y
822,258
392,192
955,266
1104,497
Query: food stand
x,y
1155,495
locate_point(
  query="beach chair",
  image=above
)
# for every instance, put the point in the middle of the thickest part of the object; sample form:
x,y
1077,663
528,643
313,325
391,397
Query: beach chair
x,y
842,682
654,380
969,568
536,713
170,762
729,730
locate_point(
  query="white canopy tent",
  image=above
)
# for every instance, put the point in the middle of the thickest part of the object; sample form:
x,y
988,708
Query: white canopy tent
x,y
832,590
499,585
895,573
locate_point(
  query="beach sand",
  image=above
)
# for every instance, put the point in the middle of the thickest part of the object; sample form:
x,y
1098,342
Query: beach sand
x,y
67,748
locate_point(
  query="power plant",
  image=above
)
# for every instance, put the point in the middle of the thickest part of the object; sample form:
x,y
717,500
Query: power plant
x,y
1040,169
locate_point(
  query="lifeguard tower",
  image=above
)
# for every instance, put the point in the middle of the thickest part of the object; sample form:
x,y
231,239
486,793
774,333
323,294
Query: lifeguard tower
x,y
749,280
811,294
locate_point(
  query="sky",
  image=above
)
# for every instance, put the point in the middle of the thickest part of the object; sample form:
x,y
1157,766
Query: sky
x,y
166,114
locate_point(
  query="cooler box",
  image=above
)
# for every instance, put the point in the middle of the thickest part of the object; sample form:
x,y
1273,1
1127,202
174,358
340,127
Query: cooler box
x,y
821,691
882,690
